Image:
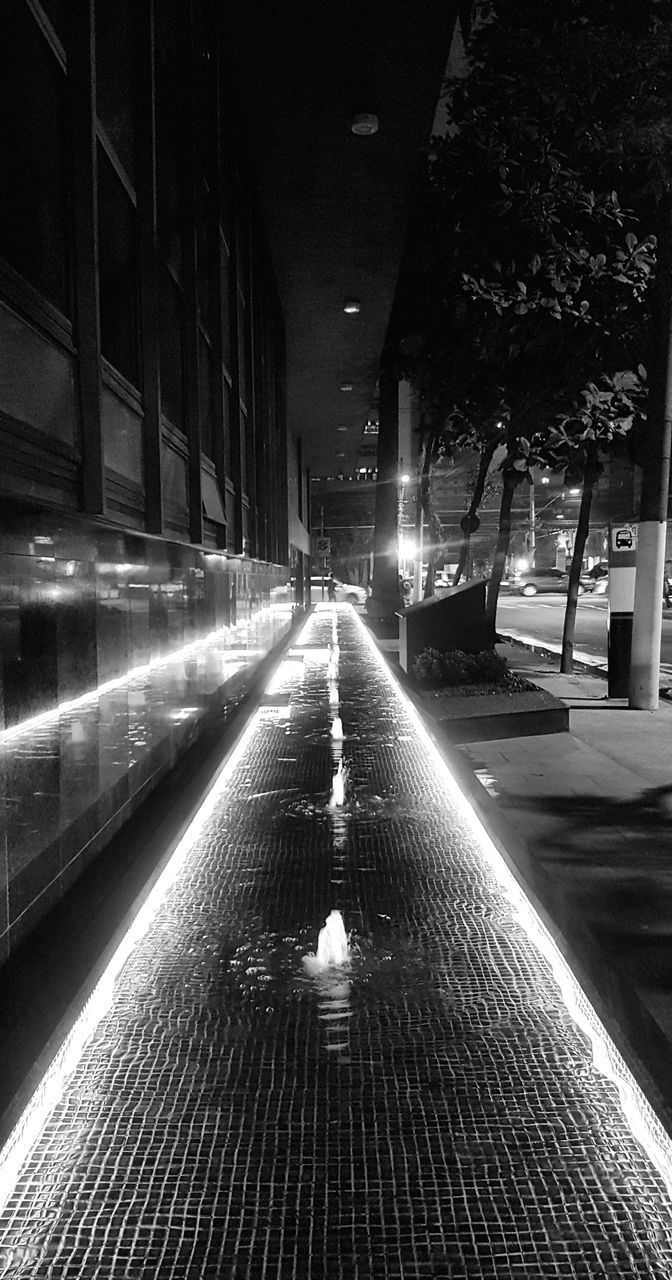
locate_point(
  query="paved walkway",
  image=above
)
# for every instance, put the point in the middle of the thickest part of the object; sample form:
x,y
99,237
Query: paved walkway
x,y
586,818
428,1109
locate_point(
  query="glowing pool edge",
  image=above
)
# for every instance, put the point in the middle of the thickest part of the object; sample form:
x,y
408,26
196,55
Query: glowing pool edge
x,y
640,1116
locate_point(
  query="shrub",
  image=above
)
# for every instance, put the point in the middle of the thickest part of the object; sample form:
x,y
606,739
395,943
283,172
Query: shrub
x,y
453,667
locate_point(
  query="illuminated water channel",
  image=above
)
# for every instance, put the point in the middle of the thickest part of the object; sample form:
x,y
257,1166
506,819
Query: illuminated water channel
x,y
406,1096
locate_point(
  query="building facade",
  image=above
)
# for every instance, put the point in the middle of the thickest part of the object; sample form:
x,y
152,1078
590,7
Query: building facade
x,y
145,523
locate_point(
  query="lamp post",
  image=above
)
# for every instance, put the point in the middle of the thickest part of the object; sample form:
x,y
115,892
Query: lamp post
x,y
403,481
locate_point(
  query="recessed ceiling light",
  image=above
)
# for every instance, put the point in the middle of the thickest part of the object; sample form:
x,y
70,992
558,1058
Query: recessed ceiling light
x,y
351,307
364,124
341,428
340,455
346,386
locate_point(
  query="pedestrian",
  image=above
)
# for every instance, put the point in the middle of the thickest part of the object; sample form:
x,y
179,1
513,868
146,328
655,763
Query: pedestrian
x,y
331,588
667,586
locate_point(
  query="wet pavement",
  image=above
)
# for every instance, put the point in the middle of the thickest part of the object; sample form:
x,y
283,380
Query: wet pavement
x,y
429,1109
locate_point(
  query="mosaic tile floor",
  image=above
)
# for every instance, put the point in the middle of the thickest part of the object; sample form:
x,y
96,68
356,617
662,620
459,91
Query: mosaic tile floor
x,y
428,1111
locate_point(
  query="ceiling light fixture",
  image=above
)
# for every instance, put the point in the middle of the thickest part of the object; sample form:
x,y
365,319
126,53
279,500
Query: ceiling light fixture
x,y
341,428
351,307
364,125
346,386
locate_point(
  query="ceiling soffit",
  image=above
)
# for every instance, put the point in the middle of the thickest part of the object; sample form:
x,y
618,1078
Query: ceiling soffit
x,y
336,204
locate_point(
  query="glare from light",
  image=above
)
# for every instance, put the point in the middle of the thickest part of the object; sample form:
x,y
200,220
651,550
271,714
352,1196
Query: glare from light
x,y
194,649
365,124
639,1114
522,565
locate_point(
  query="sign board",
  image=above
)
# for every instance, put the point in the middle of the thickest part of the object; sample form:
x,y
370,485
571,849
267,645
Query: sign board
x,y
624,537
322,546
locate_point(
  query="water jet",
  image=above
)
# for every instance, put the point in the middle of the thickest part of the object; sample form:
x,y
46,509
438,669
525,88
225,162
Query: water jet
x,y
337,729
338,787
332,942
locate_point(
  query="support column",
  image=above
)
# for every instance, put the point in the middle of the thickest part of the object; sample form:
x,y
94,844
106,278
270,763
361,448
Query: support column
x,y
385,598
82,87
147,230
651,543
191,313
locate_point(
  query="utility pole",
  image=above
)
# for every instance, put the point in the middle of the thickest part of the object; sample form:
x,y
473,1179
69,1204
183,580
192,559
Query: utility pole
x,y
652,535
532,544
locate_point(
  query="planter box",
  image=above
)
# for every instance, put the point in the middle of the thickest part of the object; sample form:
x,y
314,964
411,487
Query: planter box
x,y
482,717
454,620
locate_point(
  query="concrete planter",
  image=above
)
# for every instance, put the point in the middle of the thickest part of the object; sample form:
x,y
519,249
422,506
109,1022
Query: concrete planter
x,y
485,716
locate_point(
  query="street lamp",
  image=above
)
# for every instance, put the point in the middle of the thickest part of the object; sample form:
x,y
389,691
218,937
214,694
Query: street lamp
x,y
403,481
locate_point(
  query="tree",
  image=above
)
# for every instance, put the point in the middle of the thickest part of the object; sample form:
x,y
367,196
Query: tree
x,y
486,443
576,445
540,281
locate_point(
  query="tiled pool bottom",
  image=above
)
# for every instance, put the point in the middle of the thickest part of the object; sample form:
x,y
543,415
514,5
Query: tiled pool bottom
x,y
430,1112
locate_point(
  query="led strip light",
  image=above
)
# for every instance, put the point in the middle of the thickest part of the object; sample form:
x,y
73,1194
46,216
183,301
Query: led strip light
x,y
134,673
639,1114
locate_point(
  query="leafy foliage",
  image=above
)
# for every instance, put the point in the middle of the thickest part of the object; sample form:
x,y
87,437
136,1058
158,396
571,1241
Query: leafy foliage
x,y
540,222
453,667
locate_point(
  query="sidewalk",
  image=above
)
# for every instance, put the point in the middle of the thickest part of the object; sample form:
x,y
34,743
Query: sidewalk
x,y
586,819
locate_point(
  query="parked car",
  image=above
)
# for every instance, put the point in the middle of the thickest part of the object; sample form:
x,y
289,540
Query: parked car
x,y
530,582
348,592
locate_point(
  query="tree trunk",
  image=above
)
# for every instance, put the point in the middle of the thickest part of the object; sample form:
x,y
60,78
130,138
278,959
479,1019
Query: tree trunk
x,y
501,550
433,523
476,499
582,528
385,599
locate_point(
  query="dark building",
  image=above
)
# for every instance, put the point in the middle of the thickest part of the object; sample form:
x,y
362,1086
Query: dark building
x,y
142,419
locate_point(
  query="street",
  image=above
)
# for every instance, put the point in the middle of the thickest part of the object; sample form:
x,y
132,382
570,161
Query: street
x,y
541,618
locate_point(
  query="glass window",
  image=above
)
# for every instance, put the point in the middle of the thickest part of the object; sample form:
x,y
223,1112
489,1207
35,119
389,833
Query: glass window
x,y
225,285
55,12
171,339
204,256
226,427
169,172
243,348
117,272
33,222
243,452
115,97
205,393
